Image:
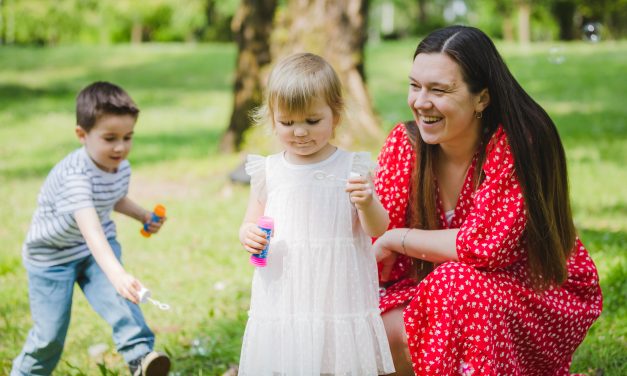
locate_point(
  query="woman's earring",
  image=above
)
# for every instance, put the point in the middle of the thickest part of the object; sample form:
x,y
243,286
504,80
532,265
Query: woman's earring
x,y
479,114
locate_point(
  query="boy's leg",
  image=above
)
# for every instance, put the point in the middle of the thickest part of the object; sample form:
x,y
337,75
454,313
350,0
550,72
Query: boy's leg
x,y
132,337
50,294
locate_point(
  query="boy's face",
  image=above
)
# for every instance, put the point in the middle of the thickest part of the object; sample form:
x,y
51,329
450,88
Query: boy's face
x,y
109,141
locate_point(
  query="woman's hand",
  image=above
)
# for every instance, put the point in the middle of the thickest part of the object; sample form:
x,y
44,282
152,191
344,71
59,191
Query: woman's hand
x,y
385,254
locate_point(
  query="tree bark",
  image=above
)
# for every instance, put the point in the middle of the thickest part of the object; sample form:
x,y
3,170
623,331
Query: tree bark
x,y
252,26
524,18
422,14
337,31
564,12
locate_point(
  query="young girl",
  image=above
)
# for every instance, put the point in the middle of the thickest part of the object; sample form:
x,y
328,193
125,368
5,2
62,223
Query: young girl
x,y
314,307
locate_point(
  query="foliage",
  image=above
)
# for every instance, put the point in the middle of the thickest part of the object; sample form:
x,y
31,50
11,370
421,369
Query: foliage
x,y
43,22
196,264
106,21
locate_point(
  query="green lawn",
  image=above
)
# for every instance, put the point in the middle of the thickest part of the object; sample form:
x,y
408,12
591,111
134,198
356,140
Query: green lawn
x,y
195,264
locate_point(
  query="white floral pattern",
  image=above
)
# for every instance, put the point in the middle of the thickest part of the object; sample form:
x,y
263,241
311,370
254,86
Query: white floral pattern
x,y
480,315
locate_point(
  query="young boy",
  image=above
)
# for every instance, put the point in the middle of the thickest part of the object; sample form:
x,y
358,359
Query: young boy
x,y
73,240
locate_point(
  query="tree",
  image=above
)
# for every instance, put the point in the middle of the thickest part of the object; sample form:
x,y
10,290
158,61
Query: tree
x,y
524,16
564,13
336,30
251,27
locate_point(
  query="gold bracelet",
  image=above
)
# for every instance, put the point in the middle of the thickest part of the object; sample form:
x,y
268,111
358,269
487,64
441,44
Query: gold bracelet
x,y
403,241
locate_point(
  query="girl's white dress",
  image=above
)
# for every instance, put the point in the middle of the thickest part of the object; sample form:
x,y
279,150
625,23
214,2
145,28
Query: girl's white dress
x,y
315,307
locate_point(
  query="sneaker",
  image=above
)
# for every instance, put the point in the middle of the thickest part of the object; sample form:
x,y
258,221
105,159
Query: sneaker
x,y
153,364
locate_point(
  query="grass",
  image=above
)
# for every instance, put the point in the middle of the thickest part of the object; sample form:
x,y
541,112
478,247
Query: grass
x,y
196,264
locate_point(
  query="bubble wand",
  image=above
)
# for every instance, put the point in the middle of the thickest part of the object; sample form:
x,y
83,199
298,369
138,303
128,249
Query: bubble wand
x,y
146,296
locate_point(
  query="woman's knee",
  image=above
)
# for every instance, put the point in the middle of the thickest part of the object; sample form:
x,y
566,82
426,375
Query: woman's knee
x,y
461,284
453,274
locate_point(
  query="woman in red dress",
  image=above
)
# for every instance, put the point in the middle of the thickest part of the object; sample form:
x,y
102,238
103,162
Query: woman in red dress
x,y
482,270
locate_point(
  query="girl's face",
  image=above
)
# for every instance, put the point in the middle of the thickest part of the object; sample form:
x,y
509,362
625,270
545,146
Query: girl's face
x,y
305,137
109,141
441,102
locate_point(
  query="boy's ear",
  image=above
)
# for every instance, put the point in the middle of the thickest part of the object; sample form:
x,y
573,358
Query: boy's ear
x,y
80,133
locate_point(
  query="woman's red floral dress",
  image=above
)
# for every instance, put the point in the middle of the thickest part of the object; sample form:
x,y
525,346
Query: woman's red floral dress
x,y
479,316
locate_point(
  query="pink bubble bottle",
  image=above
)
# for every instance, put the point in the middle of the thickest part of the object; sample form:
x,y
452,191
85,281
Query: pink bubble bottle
x,y
266,224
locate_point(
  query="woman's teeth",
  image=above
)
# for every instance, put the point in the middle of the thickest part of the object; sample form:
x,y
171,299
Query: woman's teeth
x,y
430,119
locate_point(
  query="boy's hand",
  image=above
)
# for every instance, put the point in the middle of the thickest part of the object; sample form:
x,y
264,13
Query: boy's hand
x,y
127,286
360,192
254,239
153,227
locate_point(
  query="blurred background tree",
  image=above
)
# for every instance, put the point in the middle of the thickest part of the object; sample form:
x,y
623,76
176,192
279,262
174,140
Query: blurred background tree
x,y
267,29
44,22
251,28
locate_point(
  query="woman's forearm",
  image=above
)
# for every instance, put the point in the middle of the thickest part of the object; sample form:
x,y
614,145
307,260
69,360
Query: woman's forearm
x,y
430,245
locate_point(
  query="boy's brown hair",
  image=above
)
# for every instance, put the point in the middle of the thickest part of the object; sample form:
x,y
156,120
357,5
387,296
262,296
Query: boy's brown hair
x,y
102,98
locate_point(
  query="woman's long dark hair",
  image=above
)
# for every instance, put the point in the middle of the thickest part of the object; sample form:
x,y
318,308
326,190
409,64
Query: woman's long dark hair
x,y
539,157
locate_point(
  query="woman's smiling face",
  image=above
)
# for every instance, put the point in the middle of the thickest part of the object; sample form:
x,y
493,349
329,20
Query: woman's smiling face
x,y
443,106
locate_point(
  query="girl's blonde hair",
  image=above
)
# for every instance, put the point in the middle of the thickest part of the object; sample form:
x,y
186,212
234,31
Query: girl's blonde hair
x,y
294,82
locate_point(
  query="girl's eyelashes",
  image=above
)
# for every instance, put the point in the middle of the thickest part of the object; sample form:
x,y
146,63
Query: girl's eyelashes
x,y
291,122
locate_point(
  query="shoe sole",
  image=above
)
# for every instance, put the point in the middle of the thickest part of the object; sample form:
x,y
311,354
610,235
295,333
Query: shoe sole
x,y
156,364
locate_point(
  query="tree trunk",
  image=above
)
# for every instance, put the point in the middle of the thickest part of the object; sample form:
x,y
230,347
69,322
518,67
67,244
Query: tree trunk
x,y
524,17
422,12
508,29
337,31
1,22
564,12
137,31
252,25
505,10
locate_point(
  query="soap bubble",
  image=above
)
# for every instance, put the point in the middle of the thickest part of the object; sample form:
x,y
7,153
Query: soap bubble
x,y
97,349
219,286
199,347
592,32
556,55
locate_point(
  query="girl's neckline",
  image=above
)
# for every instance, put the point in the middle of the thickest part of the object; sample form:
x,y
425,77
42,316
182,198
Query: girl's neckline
x,y
323,162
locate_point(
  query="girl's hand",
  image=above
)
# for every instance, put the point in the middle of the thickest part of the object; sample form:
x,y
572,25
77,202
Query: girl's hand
x,y
385,255
360,192
153,227
254,239
127,286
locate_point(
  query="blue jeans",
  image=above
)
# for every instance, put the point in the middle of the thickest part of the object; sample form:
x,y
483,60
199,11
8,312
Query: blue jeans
x,y
50,292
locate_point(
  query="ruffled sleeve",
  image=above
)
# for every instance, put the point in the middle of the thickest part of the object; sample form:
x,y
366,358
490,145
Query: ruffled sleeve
x,y
491,236
391,182
256,168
